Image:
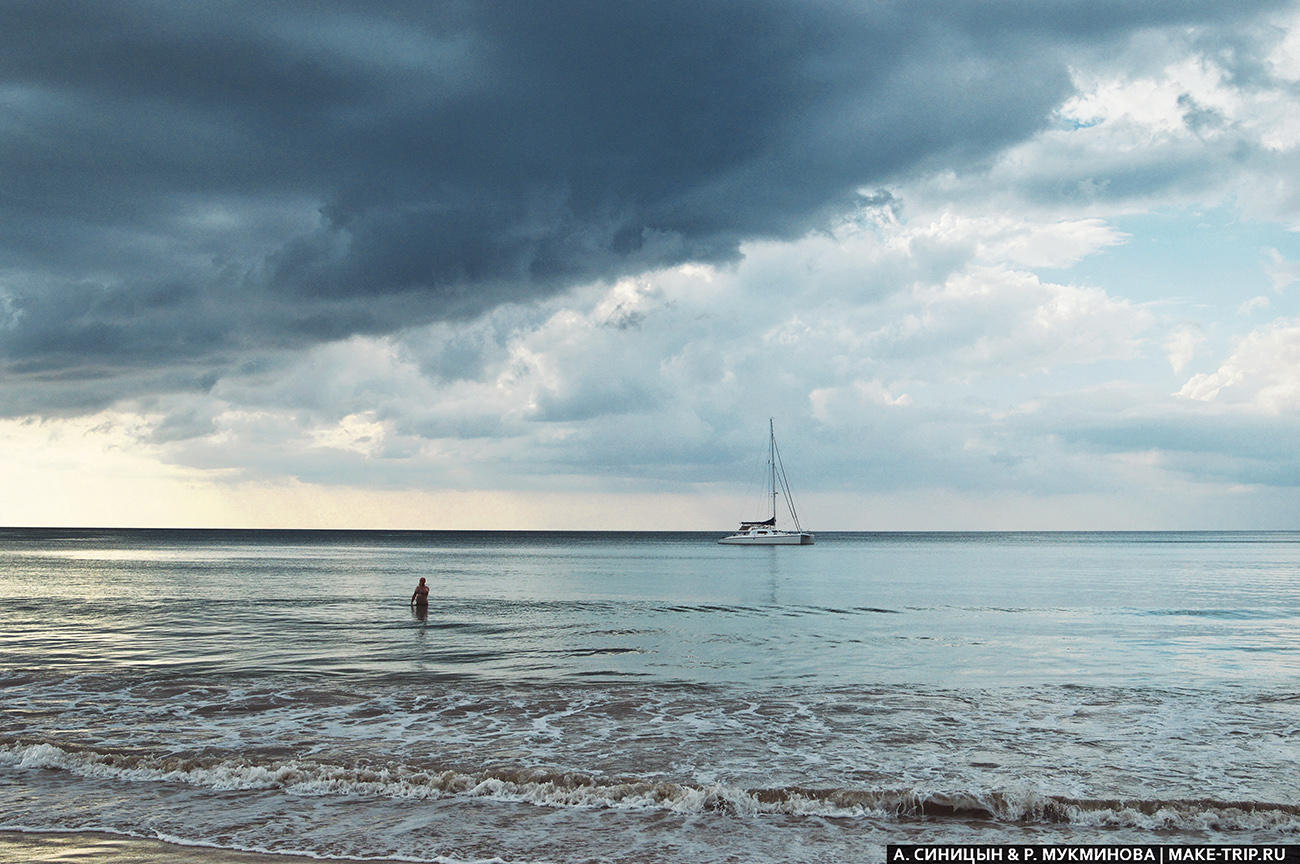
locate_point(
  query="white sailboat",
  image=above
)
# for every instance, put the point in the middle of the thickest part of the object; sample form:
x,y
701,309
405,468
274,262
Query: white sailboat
x,y
765,533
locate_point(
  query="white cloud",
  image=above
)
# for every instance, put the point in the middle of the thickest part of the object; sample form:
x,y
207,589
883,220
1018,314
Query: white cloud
x,y
1182,344
360,433
1149,109
1055,244
1263,373
1254,304
999,318
1281,272
1284,58
854,402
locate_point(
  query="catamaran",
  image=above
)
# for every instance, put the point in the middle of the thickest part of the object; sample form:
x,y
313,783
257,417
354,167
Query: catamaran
x,y
765,533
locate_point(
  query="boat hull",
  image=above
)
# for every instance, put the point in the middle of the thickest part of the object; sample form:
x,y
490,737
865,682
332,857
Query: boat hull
x,y
780,538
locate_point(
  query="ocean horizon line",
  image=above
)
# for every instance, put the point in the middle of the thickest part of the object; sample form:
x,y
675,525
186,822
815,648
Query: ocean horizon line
x,y
626,531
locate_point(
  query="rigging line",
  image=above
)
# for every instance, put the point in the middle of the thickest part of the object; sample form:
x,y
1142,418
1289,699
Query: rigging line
x,y
785,485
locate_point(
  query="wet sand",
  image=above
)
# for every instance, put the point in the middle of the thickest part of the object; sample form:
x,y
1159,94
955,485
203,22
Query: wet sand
x,y
91,848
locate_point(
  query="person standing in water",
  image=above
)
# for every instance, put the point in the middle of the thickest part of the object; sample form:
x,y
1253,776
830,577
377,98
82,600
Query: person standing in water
x,y
421,596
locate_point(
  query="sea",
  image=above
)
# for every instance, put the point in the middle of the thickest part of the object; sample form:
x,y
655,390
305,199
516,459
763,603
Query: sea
x,y
646,697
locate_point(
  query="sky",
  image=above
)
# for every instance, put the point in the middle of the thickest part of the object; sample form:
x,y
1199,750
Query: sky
x,y
1006,264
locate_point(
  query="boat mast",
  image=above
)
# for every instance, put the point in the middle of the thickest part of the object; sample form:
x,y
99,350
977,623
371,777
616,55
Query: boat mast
x,y
771,463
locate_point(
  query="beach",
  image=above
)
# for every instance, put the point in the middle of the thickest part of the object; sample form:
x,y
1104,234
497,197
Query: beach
x,y
92,848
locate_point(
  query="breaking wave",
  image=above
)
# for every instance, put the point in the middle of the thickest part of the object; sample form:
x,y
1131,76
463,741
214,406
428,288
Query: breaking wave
x,y
580,790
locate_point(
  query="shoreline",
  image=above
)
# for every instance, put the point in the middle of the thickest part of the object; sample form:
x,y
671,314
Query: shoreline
x,y
100,847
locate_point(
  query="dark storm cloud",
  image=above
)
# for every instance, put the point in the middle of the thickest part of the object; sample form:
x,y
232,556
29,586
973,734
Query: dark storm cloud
x,y
186,183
